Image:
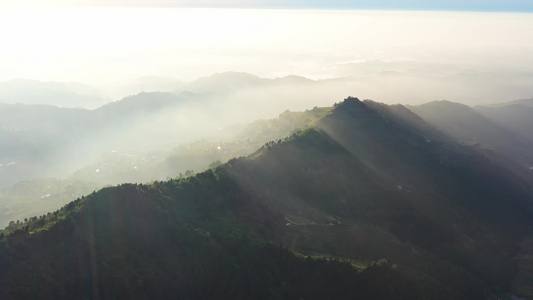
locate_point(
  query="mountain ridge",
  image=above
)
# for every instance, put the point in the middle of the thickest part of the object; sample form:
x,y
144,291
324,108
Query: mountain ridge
x,y
338,189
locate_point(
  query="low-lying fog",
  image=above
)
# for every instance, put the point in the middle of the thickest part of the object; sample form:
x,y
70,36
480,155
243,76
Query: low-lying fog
x,y
389,56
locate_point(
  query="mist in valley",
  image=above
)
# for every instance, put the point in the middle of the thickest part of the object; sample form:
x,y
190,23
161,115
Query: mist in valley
x,y
109,102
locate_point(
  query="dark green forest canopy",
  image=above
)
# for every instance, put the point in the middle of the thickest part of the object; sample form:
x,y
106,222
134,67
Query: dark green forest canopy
x,y
368,203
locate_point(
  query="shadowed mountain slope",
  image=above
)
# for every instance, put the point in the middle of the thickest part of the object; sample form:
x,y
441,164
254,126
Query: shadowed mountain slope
x,y
366,182
473,126
515,116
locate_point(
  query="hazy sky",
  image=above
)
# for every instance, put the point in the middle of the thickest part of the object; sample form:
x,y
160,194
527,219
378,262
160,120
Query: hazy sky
x,y
107,44
98,44
455,5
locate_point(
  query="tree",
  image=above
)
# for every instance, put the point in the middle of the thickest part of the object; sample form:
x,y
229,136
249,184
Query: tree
x,y
215,164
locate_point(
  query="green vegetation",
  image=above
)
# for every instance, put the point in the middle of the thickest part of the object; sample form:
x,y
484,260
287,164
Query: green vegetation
x,y
366,202
38,196
33,198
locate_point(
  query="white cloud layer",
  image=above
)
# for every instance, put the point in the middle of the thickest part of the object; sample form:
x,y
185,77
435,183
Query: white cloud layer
x,y
430,54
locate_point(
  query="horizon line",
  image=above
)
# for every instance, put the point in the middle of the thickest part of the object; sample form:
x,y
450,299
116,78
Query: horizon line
x,y
290,8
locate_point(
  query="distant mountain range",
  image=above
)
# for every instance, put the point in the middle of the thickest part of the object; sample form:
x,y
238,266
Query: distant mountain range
x,y
61,94
367,201
78,95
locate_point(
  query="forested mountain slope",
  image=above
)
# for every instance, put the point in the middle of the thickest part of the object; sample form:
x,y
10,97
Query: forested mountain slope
x,y
311,216
502,128
116,167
